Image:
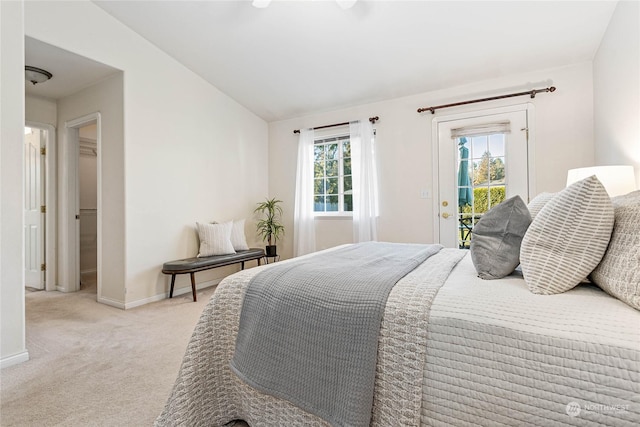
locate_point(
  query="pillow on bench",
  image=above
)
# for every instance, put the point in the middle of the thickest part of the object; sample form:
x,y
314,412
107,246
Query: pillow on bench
x,y
215,239
238,239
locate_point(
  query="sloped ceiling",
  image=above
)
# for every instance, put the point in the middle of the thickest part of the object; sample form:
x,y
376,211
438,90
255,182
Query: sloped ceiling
x,y
71,72
294,58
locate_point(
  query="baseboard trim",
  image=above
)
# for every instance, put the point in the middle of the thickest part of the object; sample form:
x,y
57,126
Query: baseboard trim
x,y
176,292
14,360
112,303
144,301
187,289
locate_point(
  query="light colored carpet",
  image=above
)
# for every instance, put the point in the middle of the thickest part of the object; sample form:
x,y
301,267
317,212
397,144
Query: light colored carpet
x,y
95,365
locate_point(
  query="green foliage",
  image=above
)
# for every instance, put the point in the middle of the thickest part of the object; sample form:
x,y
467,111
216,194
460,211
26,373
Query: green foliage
x,y
327,175
496,169
270,227
481,197
489,168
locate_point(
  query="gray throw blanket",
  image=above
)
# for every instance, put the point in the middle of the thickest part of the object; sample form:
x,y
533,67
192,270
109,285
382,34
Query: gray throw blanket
x,y
309,328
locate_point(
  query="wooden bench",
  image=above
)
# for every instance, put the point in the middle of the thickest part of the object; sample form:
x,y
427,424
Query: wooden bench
x,y
193,265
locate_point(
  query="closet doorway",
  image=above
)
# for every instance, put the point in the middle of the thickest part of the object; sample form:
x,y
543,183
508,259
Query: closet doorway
x,y
88,206
80,231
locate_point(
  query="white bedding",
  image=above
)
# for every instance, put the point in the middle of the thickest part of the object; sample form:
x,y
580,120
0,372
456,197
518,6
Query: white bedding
x,y
500,355
496,354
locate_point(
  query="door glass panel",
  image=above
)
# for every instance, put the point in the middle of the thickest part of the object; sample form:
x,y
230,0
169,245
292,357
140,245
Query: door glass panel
x,y
478,171
481,180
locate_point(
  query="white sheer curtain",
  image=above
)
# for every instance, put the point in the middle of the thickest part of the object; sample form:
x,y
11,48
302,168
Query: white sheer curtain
x,y
304,232
364,181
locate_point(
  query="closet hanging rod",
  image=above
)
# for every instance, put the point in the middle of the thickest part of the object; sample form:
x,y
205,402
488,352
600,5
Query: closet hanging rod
x,y
531,93
371,119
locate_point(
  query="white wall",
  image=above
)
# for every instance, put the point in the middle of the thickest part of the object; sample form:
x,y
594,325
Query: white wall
x,y
190,153
12,325
616,75
563,140
105,97
41,110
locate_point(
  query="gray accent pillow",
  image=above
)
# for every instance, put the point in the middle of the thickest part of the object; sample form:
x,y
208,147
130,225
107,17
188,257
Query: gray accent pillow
x,y
568,238
618,273
496,238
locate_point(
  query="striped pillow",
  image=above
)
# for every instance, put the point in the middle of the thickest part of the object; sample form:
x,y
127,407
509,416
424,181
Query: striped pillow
x,y
215,239
238,238
618,273
538,202
567,238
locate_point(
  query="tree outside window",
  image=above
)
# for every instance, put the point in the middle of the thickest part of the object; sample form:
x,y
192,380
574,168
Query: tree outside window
x,y
332,175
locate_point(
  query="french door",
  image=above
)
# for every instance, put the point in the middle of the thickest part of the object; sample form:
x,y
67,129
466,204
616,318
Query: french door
x,y
482,159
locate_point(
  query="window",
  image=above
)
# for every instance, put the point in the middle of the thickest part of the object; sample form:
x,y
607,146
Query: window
x,y
482,161
332,192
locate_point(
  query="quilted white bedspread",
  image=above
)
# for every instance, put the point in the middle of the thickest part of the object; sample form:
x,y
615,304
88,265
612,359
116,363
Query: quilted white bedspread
x,y
499,355
487,353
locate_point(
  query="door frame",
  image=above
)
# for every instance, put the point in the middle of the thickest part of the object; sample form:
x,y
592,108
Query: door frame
x,y
69,260
50,248
528,107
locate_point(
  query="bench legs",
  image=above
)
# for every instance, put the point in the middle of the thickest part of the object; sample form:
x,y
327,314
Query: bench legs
x,y
193,281
242,263
173,282
193,286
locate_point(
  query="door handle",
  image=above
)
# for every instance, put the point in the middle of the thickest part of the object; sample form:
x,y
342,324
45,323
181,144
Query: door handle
x,y
444,215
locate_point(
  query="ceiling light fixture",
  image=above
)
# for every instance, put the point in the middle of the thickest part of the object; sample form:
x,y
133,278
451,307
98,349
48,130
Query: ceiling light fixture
x,y
36,75
344,4
260,4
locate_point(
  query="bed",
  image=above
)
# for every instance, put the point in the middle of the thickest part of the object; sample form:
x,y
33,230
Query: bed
x,y
452,349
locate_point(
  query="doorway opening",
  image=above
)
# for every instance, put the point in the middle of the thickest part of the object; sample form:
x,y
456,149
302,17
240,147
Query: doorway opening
x,y
88,207
80,225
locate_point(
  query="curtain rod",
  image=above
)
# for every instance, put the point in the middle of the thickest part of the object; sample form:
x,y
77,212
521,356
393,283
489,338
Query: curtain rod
x,y
371,119
531,93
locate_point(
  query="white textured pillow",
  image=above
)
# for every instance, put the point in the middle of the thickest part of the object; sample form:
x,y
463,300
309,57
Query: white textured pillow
x,y
538,203
215,239
618,273
568,238
238,238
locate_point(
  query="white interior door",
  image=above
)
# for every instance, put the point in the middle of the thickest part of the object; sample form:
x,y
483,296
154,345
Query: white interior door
x,y
487,164
33,215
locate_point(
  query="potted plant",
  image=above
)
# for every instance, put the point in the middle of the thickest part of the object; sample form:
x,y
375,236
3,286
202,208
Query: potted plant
x,y
270,228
